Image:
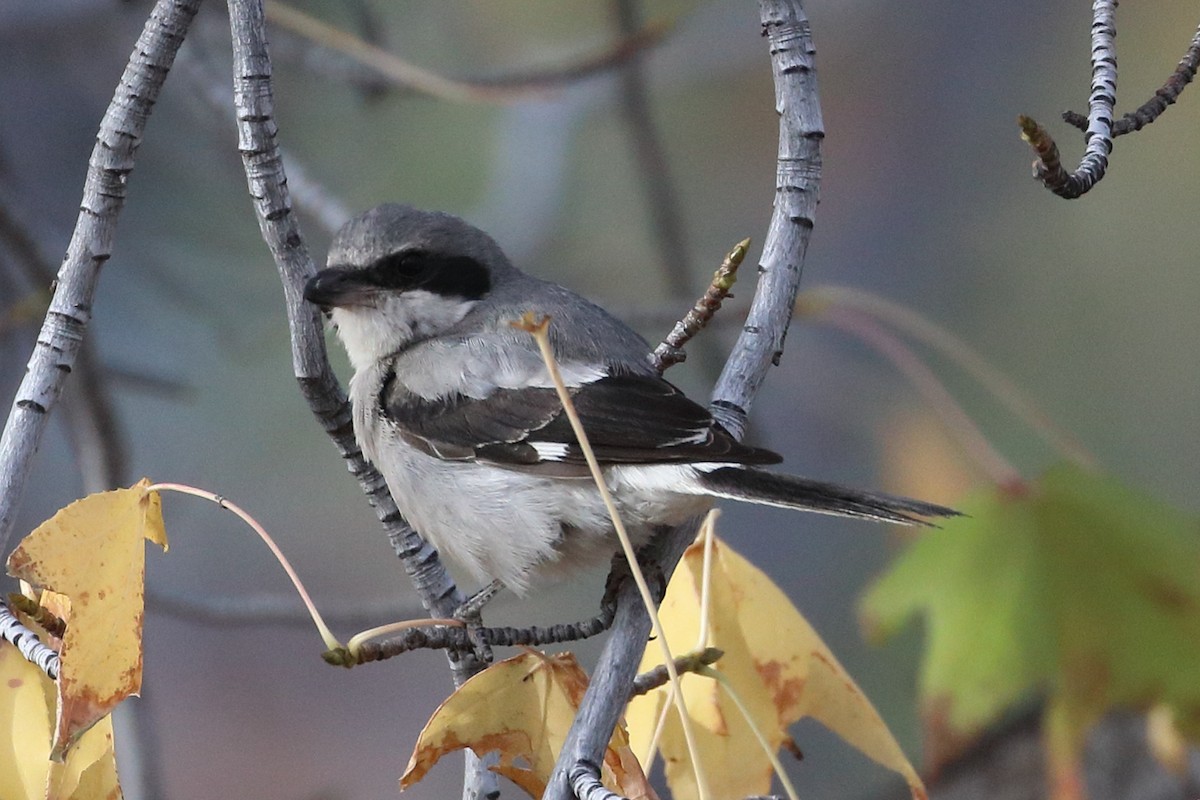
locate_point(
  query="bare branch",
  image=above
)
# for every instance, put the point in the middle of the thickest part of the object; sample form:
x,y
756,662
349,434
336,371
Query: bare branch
x,y
111,162
280,230
800,133
93,429
501,89
688,662
310,196
662,201
1153,108
1048,168
253,100
670,352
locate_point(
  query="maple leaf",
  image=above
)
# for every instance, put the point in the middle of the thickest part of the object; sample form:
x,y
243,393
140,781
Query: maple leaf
x,y
521,708
780,668
1079,587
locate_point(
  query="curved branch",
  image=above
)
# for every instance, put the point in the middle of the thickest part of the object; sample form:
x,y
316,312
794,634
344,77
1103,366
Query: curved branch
x,y
91,423
801,131
104,192
1048,168
504,89
797,179
254,103
1153,108
662,200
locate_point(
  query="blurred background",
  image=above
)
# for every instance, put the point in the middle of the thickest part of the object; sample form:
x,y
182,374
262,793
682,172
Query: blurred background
x,y
926,199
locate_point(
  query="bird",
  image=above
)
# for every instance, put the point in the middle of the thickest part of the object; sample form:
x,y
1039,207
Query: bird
x,y
455,407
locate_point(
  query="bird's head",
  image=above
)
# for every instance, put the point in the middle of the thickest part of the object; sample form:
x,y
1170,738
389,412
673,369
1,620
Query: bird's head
x,y
397,274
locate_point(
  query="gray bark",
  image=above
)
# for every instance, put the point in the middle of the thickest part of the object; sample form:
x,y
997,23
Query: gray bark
x,y
91,244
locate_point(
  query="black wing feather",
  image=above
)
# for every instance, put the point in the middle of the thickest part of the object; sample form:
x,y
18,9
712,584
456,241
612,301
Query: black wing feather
x,y
629,419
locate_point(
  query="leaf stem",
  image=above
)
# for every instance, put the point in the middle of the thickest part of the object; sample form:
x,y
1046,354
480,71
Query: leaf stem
x,y
816,302
720,678
327,636
540,331
961,426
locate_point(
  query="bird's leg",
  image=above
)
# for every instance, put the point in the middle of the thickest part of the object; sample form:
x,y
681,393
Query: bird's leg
x,y
470,613
483,638
471,609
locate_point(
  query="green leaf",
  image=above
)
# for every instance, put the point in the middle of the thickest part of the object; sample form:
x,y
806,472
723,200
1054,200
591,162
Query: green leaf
x,y
1079,588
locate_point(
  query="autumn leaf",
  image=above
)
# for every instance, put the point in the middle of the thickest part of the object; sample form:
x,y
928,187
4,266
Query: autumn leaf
x,y
520,708
93,552
27,700
1079,588
777,664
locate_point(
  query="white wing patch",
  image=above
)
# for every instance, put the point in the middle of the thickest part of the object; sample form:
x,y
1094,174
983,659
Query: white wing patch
x,y
550,451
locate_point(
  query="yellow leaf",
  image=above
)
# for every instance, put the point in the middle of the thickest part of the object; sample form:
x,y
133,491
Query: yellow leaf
x,y
92,552
27,719
778,665
520,708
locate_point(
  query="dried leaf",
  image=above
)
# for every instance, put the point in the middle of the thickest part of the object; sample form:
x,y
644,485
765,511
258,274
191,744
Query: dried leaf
x,y
27,699
93,552
520,708
778,665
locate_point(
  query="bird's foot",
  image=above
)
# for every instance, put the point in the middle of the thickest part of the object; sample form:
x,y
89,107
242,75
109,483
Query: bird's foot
x,y
470,614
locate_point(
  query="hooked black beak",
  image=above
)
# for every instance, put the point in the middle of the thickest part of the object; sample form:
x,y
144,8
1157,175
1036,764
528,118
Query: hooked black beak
x,y
334,287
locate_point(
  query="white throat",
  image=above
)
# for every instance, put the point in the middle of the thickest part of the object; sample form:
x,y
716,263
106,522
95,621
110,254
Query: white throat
x,y
371,332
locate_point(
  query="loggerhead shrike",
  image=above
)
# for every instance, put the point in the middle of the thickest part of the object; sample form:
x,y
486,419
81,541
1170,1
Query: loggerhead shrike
x,y
455,408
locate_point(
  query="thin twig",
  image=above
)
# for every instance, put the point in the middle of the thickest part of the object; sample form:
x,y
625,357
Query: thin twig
x,y
957,421
446,637
497,90
540,332
105,188
1048,168
763,744
326,634
651,679
257,134
816,302
1153,108
800,134
671,352
661,199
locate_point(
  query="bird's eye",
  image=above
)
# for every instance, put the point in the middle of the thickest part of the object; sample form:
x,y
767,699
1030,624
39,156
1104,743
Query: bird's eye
x,y
400,270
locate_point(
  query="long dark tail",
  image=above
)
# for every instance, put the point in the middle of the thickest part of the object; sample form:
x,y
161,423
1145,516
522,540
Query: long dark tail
x,y
789,491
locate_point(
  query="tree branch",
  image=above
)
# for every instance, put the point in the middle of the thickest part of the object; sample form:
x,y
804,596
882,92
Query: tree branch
x,y
91,423
254,103
104,191
1048,168
760,345
662,201
798,175
1153,108
501,89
